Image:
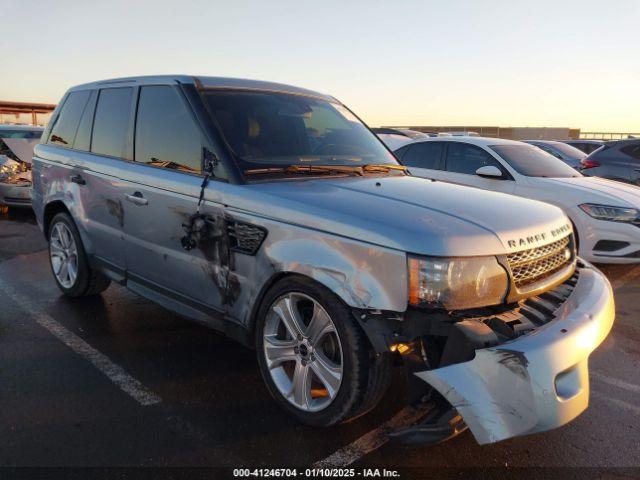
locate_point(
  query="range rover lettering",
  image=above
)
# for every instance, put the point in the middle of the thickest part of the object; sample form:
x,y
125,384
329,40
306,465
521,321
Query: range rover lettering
x,y
273,214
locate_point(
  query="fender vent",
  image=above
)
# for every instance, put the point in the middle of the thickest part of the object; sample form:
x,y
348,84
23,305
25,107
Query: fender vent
x,y
245,238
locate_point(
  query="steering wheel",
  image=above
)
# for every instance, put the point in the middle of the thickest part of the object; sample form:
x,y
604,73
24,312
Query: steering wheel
x,y
327,148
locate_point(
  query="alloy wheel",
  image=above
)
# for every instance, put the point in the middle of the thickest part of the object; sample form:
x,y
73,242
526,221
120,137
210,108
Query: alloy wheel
x,y
303,352
64,255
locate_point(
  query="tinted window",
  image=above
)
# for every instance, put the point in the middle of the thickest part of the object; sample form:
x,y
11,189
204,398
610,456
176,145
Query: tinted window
x,y
465,158
399,153
111,124
424,155
532,162
166,134
83,136
632,150
64,131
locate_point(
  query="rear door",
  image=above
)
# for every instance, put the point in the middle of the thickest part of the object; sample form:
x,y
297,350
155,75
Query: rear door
x,y
463,160
160,194
85,176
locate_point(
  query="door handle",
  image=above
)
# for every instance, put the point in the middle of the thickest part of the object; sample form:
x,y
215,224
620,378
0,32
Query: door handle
x,y
78,179
137,198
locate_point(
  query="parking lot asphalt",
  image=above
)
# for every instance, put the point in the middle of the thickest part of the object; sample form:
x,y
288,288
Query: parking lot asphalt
x,y
116,380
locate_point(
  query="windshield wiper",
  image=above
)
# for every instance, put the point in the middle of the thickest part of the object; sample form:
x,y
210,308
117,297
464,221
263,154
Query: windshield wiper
x,y
307,169
384,167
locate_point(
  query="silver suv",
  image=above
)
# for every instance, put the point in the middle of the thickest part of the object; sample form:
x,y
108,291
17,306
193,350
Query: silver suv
x,y
272,214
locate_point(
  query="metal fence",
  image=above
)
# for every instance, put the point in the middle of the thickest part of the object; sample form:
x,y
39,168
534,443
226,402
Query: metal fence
x,y
608,135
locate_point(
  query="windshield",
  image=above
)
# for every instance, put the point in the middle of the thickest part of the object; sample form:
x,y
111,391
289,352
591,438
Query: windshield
x,y
571,152
270,130
530,161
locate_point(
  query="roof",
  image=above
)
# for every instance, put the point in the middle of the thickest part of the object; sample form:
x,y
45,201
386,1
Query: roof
x,y
202,82
482,141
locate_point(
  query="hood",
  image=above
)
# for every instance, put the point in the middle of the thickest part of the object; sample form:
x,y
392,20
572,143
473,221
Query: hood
x,y
409,213
22,147
599,190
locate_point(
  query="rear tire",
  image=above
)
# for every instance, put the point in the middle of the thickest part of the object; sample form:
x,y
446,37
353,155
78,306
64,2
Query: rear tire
x,y
364,376
68,260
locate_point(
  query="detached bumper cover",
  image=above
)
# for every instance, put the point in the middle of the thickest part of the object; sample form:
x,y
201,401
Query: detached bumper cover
x,y
538,381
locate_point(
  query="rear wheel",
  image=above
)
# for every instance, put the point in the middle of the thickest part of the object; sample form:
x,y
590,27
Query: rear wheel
x,y
313,357
68,260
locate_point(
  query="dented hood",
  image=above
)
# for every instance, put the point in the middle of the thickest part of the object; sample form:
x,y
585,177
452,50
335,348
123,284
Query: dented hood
x,y
409,213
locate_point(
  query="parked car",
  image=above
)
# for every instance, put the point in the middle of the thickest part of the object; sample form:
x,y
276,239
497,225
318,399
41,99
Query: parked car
x,y
618,160
605,214
16,150
464,133
568,154
395,138
587,146
271,213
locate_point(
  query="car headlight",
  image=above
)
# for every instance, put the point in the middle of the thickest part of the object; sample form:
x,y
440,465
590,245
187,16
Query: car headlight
x,y
7,170
613,214
456,283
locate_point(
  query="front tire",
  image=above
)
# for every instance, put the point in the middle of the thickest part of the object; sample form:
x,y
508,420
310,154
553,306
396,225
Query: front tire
x,y
314,358
68,260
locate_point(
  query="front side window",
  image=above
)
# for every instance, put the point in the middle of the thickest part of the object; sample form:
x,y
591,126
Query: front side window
x,y
530,161
465,158
424,155
273,129
111,124
166,133
63,132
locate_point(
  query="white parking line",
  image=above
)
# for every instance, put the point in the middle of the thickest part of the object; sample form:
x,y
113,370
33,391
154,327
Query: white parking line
x,y
112,371
618,403
616,382
369,442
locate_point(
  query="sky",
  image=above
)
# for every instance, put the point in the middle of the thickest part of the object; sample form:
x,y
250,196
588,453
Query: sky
x,y
455,62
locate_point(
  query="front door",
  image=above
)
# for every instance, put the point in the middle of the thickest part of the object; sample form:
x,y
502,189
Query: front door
x,y
160,191
463,160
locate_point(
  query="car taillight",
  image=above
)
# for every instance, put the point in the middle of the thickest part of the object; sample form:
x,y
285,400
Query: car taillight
x,y
586,163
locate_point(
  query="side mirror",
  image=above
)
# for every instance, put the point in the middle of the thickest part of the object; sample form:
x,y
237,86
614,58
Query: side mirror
x,y
489,171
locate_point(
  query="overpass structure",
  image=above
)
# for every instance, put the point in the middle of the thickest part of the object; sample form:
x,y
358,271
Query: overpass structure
x,y
19,109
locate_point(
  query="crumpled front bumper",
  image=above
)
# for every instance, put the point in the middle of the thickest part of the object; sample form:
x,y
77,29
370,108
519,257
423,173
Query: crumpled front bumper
x,y
538,381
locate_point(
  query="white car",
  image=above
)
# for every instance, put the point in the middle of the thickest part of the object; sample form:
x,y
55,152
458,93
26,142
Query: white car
x,y
605,214
16,151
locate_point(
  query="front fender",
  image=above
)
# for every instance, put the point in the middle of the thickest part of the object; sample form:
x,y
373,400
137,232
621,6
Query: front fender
x,y
364,276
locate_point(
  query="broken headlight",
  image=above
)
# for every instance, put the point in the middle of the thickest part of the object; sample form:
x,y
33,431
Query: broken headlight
x,y
456,283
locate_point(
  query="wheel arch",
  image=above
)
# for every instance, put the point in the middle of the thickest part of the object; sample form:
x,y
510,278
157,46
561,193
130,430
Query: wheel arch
x,y
50,211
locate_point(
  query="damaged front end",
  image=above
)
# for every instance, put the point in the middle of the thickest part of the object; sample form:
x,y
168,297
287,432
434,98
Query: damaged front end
x,y
506,372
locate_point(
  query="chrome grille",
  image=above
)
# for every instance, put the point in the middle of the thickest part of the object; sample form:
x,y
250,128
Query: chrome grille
x,y
535,264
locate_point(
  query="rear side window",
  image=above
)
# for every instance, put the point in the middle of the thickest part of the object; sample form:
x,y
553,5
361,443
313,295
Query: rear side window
x,y
424,155
166,133
111,124
632,150
63,132
465,158
83,136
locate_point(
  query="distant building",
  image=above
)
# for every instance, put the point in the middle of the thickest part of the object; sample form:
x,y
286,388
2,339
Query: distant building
x,y
513,133
25,113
